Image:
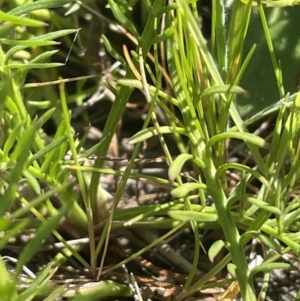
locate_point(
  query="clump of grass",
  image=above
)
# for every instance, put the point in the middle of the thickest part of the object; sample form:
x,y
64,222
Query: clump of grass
x,y
38,180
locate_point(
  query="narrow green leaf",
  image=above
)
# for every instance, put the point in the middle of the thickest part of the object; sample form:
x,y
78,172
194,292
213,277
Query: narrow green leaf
x,y
183,190
113,52
31,6
94,149
43,56
27,42
263,205
186,216
162,37
232,270
51,146
176,166
95,290
12,138
219,33
45,37
73,8
287,101
290,218
109,130
122,18
32,66
242,167
20,20
53,157
32,182
269,267
270,242
215,249
247,137
221,89
236,36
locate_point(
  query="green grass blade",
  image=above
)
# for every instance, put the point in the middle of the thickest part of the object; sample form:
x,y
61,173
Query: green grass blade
x,y
41,4
20,20
41,233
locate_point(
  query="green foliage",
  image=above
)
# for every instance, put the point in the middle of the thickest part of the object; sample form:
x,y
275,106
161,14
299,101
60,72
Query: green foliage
x,y
197,85
28,161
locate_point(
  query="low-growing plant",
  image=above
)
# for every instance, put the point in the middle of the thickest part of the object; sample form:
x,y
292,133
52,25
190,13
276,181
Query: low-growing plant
x,y
48,188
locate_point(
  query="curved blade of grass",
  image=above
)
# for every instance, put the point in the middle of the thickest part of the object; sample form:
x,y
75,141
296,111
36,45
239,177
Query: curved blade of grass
x,y
31,182
222,89
247,137
245,168
176,166
269,267
215,249
261,204
268,241
183,190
